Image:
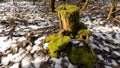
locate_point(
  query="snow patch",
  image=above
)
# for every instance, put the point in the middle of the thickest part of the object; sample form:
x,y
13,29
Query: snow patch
x,y
100,57
116,53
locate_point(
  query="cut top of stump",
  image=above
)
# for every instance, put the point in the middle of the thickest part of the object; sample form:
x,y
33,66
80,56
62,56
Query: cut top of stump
x,y
67,8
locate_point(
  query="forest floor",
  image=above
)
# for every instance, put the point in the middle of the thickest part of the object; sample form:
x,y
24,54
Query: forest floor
x,y
23,46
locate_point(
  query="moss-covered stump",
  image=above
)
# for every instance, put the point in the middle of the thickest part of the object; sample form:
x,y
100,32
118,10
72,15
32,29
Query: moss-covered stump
x,y
69,21
57,43
69,17
82,57
71,28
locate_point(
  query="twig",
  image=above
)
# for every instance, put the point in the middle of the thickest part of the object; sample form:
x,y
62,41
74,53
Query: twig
x,y
116,20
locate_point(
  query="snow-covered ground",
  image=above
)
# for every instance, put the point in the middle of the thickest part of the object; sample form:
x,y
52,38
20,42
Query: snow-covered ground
x,y
33,26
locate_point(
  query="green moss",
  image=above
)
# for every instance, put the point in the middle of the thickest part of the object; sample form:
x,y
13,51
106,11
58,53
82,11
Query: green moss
x,y
82,26
12,23
48,38
83,34
57,43
67,8
81,56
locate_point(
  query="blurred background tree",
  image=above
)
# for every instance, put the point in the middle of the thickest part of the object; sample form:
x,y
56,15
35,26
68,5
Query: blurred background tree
x,y
112,9
1,0
52,5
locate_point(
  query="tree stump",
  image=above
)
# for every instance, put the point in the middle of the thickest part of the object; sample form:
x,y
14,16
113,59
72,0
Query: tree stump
x,y
71,28
69,18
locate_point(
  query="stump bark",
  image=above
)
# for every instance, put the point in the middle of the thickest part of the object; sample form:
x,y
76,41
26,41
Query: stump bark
x,y
69,18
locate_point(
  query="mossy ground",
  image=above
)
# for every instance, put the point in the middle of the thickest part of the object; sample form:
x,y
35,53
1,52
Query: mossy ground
x,y
81,56
57,43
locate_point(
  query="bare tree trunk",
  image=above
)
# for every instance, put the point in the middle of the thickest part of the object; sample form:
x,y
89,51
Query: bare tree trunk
x,y
112,9
67,1
14,11
33,2
84,6
52,5
78,2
